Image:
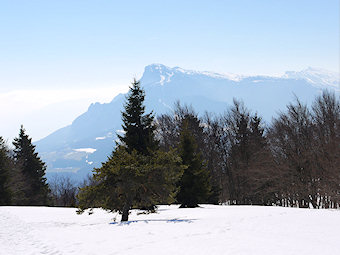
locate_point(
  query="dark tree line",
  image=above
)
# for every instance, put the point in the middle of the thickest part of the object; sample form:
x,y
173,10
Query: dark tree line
x,y
234,158
5,191
233,147
294,161
183,158
63,191
306,145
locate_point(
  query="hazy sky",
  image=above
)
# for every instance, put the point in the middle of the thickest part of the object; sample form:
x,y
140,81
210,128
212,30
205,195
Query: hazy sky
x,y
58,56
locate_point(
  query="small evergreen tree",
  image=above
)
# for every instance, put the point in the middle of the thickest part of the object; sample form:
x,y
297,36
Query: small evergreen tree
x,y
195,182
132,180
5,193
32,168
138,174
203,132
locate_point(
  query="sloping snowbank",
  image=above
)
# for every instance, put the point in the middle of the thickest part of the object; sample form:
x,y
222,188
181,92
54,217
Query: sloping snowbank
x,y
206,230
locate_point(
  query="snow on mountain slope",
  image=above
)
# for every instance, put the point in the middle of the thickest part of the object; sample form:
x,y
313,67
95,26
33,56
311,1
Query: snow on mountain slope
x,y
165,73
318,77
207,230
205,91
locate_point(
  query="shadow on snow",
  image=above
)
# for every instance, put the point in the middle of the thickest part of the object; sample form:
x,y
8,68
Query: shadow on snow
x,y
147,221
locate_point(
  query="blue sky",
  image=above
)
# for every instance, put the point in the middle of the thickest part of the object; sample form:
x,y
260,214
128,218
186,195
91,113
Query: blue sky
x,y
68,45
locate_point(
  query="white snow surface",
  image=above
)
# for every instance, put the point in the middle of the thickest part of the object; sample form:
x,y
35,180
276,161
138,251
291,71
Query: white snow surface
x,y
205,230
87,150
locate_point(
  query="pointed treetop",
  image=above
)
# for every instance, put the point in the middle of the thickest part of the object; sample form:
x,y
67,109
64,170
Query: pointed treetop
x,y
139,127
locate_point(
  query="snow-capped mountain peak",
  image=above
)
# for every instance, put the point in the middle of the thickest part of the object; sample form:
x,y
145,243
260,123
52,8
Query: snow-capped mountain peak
x,y
316,76
161,74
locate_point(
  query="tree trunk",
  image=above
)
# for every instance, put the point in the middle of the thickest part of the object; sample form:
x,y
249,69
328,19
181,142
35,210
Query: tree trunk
x,y
125,213
313,201
231,186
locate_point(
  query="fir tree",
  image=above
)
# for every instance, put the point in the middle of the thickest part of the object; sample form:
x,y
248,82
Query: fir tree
x,y
5,193
139,127
32,168
132,180
195,182
138,174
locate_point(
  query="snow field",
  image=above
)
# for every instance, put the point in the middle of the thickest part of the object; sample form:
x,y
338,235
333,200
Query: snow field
x,y
206,230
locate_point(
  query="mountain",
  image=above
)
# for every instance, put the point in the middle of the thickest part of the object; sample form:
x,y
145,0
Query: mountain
x,y
75,149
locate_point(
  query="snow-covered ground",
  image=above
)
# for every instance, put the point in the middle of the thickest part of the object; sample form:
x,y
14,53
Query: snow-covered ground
x,y
207,230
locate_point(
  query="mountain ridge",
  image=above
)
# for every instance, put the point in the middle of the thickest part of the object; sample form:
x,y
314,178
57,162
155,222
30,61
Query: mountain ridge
x,y
67,149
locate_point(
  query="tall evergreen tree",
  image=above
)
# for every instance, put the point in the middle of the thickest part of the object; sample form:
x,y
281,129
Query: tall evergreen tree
x,y
195,182
139,127
5,193
138,174
32,168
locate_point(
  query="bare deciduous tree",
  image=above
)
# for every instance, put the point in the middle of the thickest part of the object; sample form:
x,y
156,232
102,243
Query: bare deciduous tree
x,y
63,191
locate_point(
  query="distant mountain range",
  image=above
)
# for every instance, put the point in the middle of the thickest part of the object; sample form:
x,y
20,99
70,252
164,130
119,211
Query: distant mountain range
x,y
75,149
